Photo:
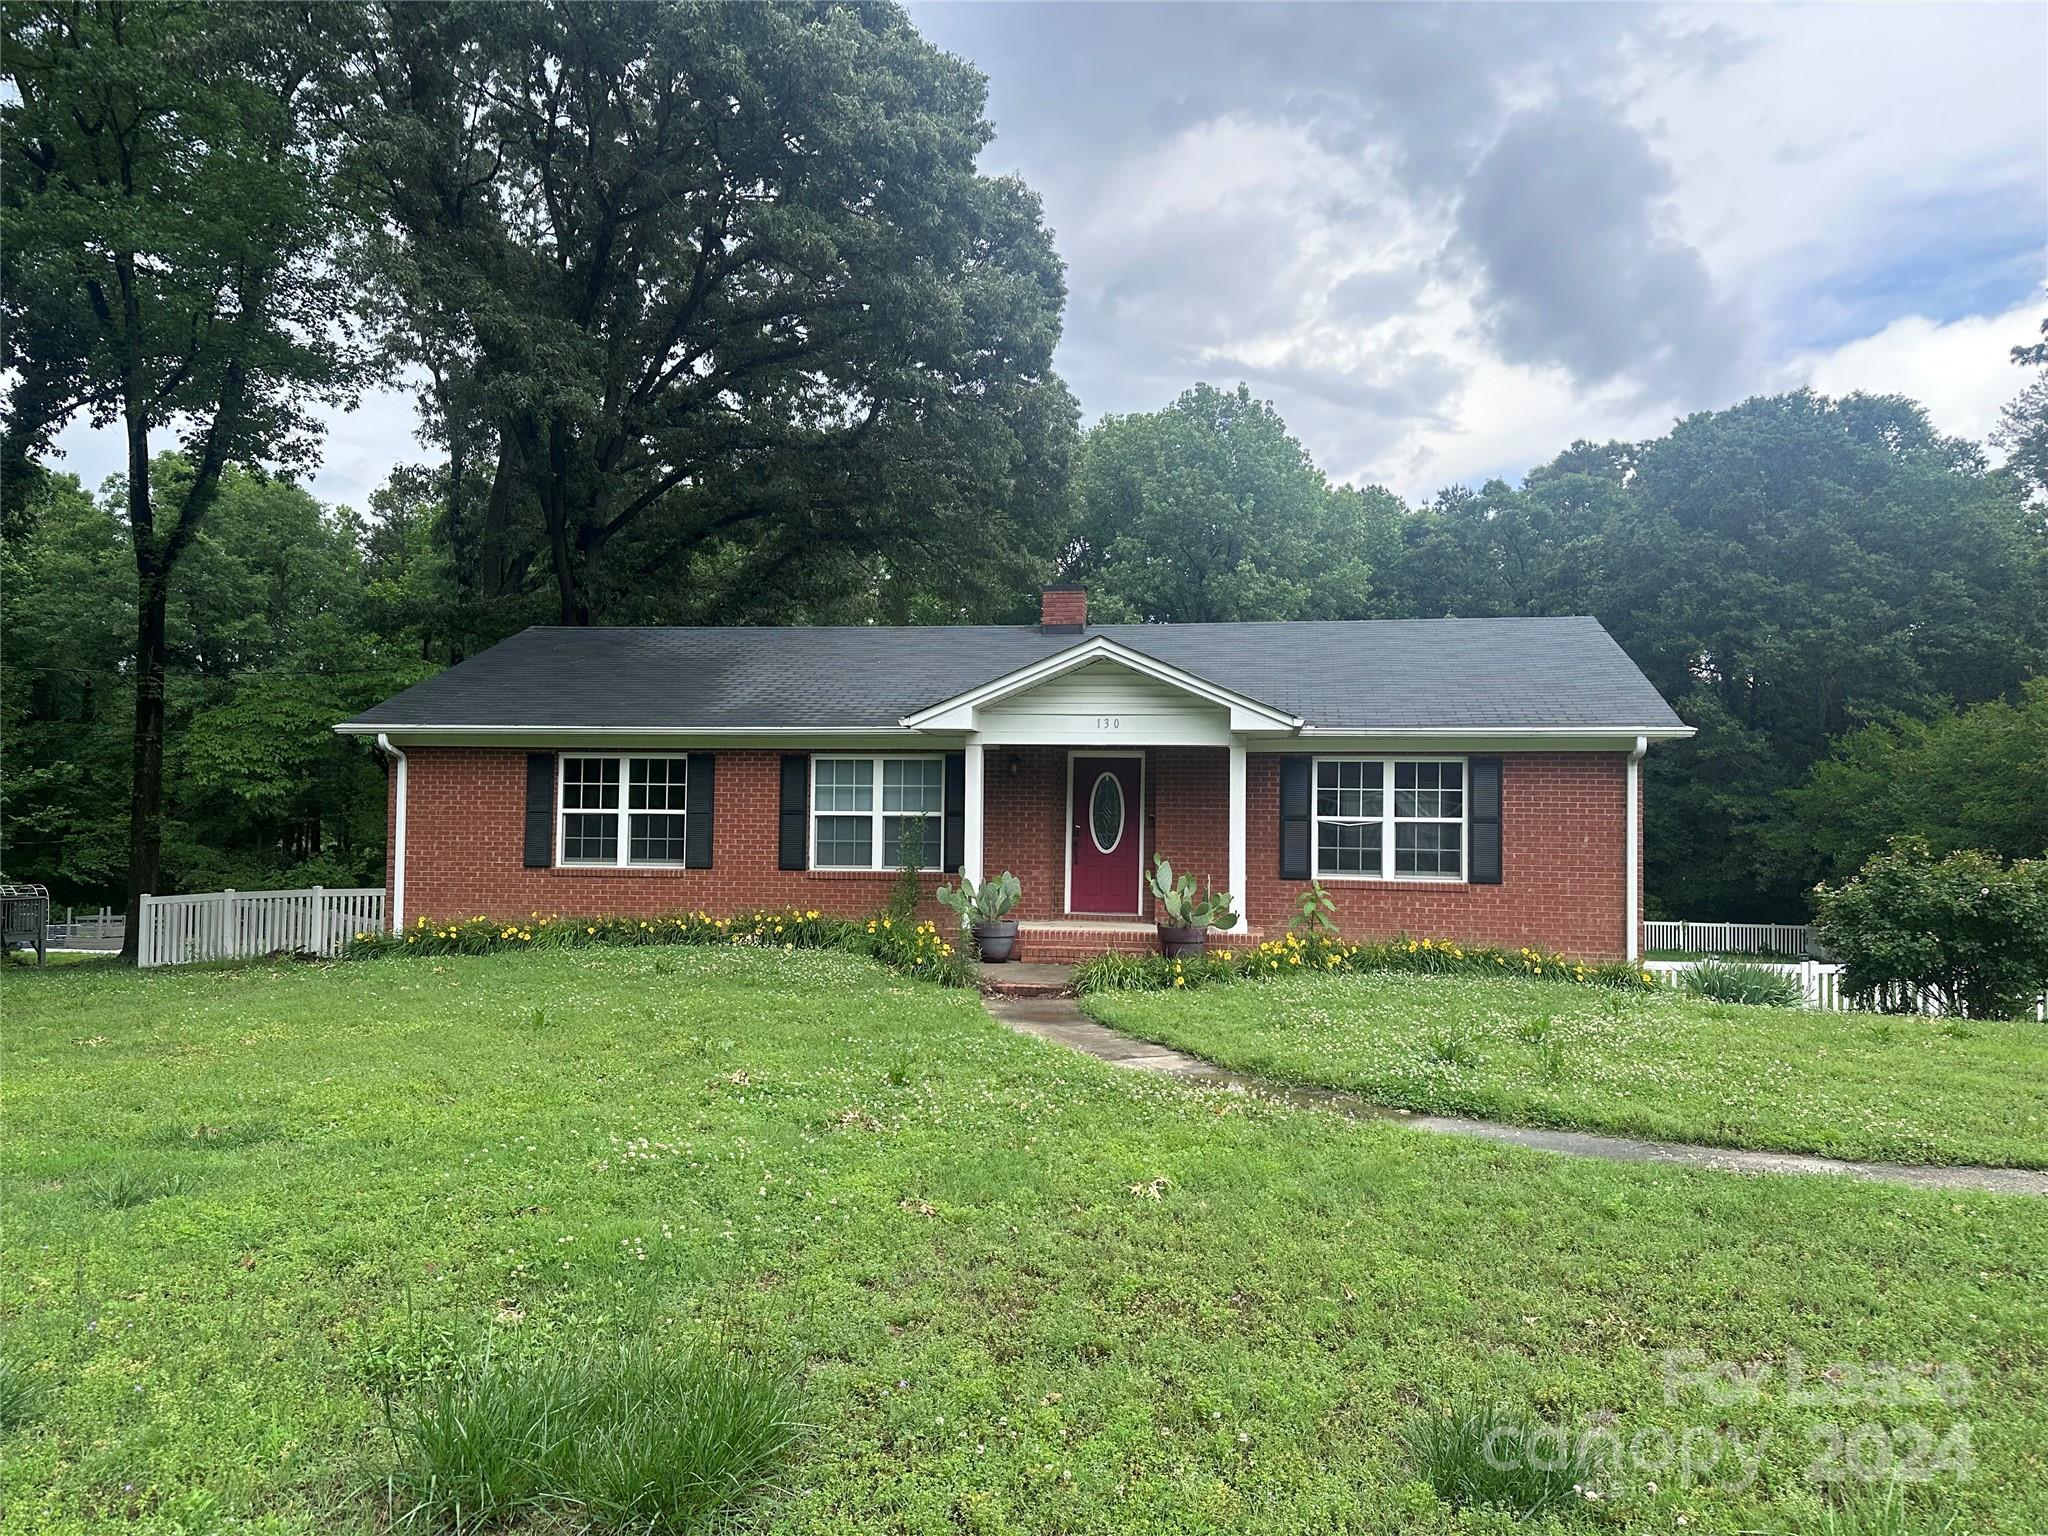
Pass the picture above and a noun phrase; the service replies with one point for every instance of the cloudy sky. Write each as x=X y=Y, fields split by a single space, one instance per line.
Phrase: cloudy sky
x=1447 y=240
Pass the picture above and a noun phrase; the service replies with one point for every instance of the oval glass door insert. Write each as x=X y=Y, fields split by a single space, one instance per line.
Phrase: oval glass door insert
x=1106 y=813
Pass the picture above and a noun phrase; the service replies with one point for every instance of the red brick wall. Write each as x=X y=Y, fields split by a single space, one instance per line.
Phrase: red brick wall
x=466 y=845
x=1024 y=818
x=1063 y=605
x=1027 y=816
x=1561 y=848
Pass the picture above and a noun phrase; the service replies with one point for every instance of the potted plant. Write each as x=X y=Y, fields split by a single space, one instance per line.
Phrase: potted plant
x=1189 y=917
x=985 y=912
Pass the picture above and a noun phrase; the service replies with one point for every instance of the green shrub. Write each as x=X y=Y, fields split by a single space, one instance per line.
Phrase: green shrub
x=1502 y=1457
x=1736 y=981
x=628 y=1438
x=1295 y=954
x=1969 y=930
x=915 y=947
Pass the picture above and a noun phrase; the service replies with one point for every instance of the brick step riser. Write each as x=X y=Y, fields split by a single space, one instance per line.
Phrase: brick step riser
x=1072 y=951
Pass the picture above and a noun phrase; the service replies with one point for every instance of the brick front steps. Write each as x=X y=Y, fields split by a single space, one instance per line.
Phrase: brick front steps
x=1014 y=978
x=1068 y=941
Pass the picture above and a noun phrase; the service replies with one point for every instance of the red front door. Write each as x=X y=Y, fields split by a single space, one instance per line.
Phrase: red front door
x=1105 y=835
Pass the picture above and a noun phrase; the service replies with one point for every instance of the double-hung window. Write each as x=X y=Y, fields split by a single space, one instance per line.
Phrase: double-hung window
x=622 y=810
x=863 y=807
x=1390 y=818
x=1350 y=816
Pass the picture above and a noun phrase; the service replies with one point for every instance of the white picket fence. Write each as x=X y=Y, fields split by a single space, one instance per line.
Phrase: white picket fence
x=241 y=925
x=1734 y=938
x=1820 y=983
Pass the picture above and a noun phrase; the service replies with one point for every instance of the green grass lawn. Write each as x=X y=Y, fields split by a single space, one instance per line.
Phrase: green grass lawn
x=1867 y=1086
x=1024 y=1291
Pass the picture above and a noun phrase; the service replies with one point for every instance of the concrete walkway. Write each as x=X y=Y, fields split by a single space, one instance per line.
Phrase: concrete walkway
x=1059 y=1018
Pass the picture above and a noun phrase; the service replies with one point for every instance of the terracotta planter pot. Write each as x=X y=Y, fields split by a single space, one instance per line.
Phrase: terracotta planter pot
x=1182 y=943
x=996 y=941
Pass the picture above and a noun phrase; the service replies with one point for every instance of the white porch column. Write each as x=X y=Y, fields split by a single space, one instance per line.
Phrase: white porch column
x=1237 y=863
x=1632 y=903
x=971 y=812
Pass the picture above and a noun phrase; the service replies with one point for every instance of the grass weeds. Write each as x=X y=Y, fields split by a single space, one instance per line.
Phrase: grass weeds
x=21 y=1396
x=124 y=1186
x=1048 y=1294
x=1500 y=1457
x=1665 y=1064
x=633 y=1437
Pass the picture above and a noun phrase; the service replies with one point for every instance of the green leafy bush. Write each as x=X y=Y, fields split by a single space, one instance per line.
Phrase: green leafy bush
x=1968 y=929
x=631 y=1438
x=1294 y=954
x=916 y=948
x=1737 y=981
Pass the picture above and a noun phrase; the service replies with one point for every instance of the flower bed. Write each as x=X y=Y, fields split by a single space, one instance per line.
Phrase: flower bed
x=1294 y=954
x=914 y=948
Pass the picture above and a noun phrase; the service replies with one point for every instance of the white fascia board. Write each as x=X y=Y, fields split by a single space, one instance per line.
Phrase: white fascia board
x=957 y=713
x=1595 y=738
x=616 y=736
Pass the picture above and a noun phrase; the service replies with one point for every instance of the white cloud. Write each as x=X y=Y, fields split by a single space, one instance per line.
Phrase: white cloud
x=1273 y=194
x=1962 y=371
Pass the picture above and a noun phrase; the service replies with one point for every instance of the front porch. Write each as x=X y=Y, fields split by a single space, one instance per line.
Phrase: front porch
x=1082 y=848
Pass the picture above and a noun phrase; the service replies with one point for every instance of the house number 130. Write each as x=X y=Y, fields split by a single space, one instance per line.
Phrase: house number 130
x=1108 y=723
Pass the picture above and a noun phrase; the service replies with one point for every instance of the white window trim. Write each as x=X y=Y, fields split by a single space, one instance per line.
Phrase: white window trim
x=623 y=813
x=875 y=813
x=1387 y=873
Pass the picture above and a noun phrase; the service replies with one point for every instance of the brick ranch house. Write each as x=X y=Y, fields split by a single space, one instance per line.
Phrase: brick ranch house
x=1477 y=779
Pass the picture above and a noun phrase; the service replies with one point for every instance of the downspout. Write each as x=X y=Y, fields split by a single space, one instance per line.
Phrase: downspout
x=1629 y=874
x=398 y=837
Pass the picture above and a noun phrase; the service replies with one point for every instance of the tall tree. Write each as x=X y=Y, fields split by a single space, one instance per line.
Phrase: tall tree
x=67 y=600
x=287 y=616
x=1969 y=778
x=168 y=264
x=717 y=288
x=2022 y=429
x=1209 y=510
x=1783 y=571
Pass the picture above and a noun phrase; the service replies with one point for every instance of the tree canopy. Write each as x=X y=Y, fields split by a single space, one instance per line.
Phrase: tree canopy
x=719 y=314
x=1783 y=571
x=1209 y=510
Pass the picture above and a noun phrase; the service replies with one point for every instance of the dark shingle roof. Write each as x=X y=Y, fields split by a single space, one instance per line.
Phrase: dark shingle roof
x=1408 y=674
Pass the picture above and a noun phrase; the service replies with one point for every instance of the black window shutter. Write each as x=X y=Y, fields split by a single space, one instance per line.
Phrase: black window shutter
x=1296 y=772
x=1484 y=788
x=699 y=784
x=956 y=811
x=796 y=794
x=540 y=809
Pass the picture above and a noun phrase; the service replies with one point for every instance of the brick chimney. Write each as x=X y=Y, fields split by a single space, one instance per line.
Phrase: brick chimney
x=1065 y=610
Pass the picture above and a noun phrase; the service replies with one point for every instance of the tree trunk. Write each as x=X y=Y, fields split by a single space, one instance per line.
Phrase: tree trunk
x=494 y=552
x=146 y=779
